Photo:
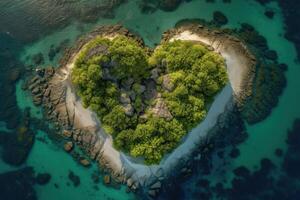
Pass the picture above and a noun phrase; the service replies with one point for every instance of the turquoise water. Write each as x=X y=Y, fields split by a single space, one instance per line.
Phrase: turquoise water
x=50 y=158
x=264 y=137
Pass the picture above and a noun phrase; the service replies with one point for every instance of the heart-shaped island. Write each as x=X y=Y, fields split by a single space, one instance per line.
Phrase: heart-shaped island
x=148 y=100
x=142 y=112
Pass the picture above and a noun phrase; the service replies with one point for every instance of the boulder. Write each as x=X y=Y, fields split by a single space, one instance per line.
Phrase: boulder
x=35 y=90
x=220 y=18
x=150 y=89
x=161 y=109
x=271 y=54
x=152 y=193
x=106 y=74
x=124 y=98
x=142 y=89
x=156 y=185
x=38 y=59
x=95 y=149
x=106 y=179
x=167 y=83
x=49 y=71
x=129 y=110
x=47 y=92
x=14 y=74
x=129 y=182
x=84 y=162
x=270 y=14
x=37 y=100
x=43 y=178
x=67 y=133
x=155 y=73
x=132 y=95
x=86 y=138
x=74 y=178
x=68 y=146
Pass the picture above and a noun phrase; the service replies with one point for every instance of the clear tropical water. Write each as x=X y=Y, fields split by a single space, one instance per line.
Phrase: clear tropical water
x=264 y=137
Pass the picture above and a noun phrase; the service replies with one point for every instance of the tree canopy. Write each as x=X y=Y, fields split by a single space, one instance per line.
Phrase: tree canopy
x=147 y=114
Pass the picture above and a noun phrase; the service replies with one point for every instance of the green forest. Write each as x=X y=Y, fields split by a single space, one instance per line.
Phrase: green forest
x=148 y=100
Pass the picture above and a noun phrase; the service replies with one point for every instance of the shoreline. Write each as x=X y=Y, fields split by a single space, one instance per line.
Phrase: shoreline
x=66 y=108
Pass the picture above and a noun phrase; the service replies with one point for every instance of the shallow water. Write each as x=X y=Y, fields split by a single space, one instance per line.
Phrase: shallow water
x=264 y=137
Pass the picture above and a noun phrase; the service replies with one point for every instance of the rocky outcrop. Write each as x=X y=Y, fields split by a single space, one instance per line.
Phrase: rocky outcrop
x=18 y=184
x=160 y=109
x=85 y=162
x=167 y=83
x=219 y=18
x=17 y=146
x=68 y=146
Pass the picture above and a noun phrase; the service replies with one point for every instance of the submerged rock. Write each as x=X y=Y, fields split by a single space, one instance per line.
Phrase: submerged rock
x=169 y=5
x=17 y=146
x=14 y=74
x=67 y=133
x=84 y=162
x=38 y=59
x=220 y=18
x=272 y=55
x=18 y=185
x=43 y=178
x=270 y=14
x=156 y=185
x=74 y=178
x=106 y=179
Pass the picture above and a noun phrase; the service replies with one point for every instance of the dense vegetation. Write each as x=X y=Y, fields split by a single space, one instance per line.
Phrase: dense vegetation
x=147 y=102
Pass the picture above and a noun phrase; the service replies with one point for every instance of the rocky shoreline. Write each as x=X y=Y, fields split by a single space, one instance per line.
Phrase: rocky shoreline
x=51 y=88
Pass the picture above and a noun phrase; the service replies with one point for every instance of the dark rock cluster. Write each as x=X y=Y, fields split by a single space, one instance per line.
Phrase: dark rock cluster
x=270 y=79
x=219 y=18
x=291 y=162
x=229 y=132
x=19 y=184
x=17 y=143
x=74 y=179
x=11 y=71
x=291 y=15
